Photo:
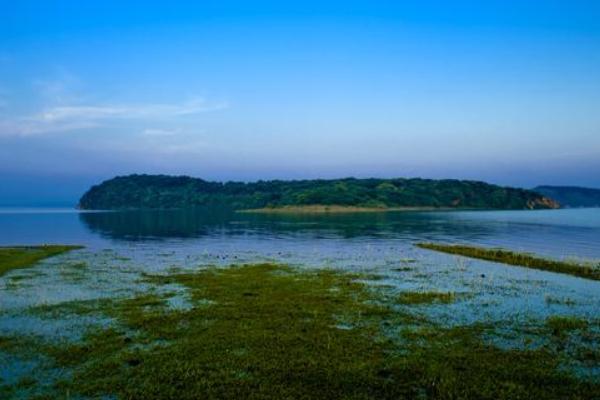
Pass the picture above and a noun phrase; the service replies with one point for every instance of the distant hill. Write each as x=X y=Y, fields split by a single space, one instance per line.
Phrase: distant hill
x=163 y=192
x=571 y=196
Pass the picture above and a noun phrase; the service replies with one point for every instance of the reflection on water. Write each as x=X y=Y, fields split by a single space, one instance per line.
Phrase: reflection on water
x=142 y=225
x=121 y=247
x=558 y=233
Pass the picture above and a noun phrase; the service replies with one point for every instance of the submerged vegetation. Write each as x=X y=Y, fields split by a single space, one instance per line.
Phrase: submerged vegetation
x=588 y=271
x=270 y=331
x=25 y=256
x=561 y=325
x=426 y=297
x=164 y=192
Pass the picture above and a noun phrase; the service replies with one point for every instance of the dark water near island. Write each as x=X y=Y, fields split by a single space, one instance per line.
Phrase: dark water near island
x=566 y=233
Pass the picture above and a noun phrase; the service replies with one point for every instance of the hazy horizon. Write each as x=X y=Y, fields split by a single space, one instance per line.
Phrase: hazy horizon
x=506 y=93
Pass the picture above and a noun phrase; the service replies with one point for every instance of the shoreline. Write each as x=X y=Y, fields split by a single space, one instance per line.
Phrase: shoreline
x=18 y=257
x=273 y=327
x=525 y=260
x=333 y=209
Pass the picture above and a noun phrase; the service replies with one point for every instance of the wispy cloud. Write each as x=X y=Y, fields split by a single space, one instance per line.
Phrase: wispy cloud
x=94 y=113
x=160 y=132
x=65 y=118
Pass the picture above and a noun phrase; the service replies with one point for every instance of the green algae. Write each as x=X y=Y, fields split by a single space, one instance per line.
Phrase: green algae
x=422 y=297
x=25 y=256
x=561 y=325
x=588 y=271
x=270 y=331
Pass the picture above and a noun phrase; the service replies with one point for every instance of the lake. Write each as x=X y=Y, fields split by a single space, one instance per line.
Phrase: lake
x=557 y=233
x=122 y=246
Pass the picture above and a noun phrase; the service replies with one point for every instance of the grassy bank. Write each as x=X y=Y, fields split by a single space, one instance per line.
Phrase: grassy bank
x=521 y=259
x=321 y=209
x=26 y=256
x=270 y=332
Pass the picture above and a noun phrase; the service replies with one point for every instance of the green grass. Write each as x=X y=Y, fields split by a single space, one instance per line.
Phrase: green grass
x=271 y=332
x=526 y=260
x=26 y=256
x=426 y=297
x=561 y=325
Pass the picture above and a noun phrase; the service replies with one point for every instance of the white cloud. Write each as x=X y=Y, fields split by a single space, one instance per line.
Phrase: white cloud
x=157 y=111
x=65 y=118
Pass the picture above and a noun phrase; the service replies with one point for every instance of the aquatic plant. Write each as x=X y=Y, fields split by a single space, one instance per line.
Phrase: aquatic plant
x=26 y=256
x=588 y=271
x=561 y=325
x=423 y=297
x=270 y=331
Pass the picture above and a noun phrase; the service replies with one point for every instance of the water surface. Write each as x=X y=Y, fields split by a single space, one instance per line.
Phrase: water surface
x=122 y=245
x=559 y=233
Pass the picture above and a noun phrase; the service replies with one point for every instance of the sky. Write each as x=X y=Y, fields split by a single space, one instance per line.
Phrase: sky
x=502 y=91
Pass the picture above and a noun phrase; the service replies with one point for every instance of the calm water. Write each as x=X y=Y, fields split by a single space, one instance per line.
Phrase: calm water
x=558 y=233
x=121 y=246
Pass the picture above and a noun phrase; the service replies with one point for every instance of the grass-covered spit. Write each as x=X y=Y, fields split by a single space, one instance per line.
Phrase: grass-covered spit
x=26 y=256
x=522 y=259
x=272 y=332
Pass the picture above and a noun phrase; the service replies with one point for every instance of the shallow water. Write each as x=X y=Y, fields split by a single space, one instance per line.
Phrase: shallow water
x=120 y=246
x=559 y=233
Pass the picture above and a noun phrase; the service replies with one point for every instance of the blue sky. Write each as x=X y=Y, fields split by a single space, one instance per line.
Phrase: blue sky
x=502 y=91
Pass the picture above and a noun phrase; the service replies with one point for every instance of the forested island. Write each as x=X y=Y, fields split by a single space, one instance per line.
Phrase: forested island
x=169 y=192
x=572 y=196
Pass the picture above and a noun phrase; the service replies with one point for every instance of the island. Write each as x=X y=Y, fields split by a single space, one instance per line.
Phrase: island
x=318 y=195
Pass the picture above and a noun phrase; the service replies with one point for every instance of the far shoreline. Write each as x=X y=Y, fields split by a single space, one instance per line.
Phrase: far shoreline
x=334 y=209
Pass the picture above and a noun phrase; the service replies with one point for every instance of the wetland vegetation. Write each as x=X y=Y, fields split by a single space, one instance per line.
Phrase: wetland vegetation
x=183 y=305
x=421 y=297
x=273 y=331
x=26 y=256
x=587 y=270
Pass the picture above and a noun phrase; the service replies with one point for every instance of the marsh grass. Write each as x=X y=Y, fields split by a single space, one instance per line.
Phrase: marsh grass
x=423 y=297
x=549 y=299
x=25 y=256
x=562 y=325
x=403 y=269
x=588 y=271
x=271 y=332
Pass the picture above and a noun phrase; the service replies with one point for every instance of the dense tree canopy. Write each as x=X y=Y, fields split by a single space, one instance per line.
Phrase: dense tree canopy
x=161 y=191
